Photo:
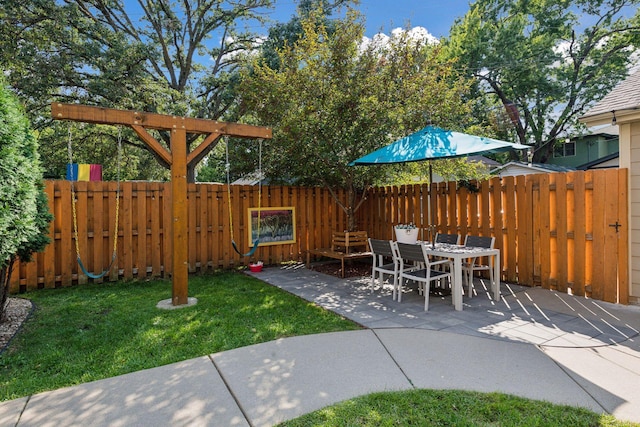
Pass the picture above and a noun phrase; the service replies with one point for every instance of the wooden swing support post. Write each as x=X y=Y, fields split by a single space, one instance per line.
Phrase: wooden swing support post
x=177 y=156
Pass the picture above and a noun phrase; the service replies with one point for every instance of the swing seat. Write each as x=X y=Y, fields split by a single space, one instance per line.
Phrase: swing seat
x=251 y=252
x=96 y=276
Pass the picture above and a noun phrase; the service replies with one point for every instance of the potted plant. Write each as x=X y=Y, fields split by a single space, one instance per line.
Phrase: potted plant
x=406 y=233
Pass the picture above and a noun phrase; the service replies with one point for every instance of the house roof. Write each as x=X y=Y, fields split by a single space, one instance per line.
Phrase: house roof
x=529 y=168
x=252 y=178
x=624 y=98
x=600 y=163
x=608 y=130
x=484 y=160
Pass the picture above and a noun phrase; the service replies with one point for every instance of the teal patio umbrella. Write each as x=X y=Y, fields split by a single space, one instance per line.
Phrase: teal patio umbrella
x=434 y=143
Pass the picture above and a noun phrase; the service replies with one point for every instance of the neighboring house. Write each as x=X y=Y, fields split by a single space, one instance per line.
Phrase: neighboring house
x=606 y=162
x=522 y=168
x=489 y=163
x=597 y=149
x=620 y=106
x=252 y=178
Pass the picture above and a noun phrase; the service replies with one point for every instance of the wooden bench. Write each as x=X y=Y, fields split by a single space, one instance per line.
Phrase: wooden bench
x=342 y=245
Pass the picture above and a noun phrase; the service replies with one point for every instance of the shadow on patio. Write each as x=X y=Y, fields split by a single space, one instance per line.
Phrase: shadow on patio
x=531 y=315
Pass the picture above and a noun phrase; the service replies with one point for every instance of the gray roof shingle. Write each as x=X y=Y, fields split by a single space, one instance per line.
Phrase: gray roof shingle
x=625 y=96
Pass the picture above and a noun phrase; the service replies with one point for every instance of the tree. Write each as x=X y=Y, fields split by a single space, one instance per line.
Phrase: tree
x=544 y=62
x=24 y=214
x=290 y=32
x=332 y=99
x=157 y=56
x=243 y=161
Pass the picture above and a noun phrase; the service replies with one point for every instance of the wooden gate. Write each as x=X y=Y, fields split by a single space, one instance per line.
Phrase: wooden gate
x=580 y=233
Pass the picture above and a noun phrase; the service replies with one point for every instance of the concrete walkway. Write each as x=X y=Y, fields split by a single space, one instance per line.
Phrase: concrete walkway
x=534 y=343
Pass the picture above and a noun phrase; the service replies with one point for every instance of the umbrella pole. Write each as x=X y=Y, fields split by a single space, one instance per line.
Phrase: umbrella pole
x=430 y=225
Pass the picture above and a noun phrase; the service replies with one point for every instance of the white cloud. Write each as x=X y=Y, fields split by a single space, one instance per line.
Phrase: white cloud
x=416 y=34
x=419 y=34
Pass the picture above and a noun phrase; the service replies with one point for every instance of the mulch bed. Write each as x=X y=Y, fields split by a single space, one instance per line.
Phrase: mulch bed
x=354 y=268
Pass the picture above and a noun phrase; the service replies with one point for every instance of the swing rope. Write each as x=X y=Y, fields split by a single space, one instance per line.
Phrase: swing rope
x=256 y=242
x=75 y=217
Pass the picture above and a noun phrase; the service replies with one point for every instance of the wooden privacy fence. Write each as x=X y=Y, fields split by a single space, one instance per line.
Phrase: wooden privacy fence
x=564 y=231
x=144 y=235
x=554 y=230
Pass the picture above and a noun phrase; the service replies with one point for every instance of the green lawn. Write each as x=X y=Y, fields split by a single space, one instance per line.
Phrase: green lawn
x=85 y=333
x=450 y=408
x=90 y=332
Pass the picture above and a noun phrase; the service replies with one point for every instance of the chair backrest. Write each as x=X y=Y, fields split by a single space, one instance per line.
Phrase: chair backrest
x=382 y=247
x=453 y=239
x=411 y=252
x=479 y=241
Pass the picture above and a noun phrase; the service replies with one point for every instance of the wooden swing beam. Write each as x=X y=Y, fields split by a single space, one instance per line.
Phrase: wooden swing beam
x=177 y=156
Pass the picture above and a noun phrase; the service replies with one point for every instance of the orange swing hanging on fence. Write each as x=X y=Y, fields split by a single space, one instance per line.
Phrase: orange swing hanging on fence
x=72 y=179
x=256 y=242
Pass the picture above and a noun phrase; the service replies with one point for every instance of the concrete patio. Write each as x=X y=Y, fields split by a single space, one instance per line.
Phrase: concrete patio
x=532 y=315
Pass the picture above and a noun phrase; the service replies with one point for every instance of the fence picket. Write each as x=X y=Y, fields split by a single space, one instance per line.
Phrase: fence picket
x=598 y=244
x=49 y=258
x=96 y=211
x=82 y=233
x=68 y=261
x=155 y=212
x=167 y=229
x=141 y=219
x=193 y=200
x=579 y=234
x=510 y=222
x=111 y=213
x=562 y=260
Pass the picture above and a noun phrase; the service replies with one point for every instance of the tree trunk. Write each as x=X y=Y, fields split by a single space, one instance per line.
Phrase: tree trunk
x=191 y=174
x=5 y=278
x=351 y=207
x=350 y=211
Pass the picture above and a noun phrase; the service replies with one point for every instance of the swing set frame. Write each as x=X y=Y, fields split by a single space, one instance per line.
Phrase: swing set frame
x=177 y=156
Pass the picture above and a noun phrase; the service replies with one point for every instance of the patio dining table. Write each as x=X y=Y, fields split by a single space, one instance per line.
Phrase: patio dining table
x=457 y=253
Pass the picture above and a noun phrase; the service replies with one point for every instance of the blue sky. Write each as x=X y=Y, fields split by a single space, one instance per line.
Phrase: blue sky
x=436 y=16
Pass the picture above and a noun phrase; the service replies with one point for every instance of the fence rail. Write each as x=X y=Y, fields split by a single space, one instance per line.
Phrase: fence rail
x=554 y=230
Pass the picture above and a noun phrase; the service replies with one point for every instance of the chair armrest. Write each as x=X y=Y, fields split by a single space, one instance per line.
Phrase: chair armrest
x=442 y=261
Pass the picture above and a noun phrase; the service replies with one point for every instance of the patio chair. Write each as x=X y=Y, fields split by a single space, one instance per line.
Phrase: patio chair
x=425 y=274
x=384 y=250
x=453 y=239
x=472 y=265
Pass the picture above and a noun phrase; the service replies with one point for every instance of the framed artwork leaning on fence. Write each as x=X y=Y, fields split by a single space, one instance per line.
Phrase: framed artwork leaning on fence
x=276 y=226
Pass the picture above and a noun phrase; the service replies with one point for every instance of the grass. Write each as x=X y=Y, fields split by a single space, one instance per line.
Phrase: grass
x=450 y=408
x=90 y=332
